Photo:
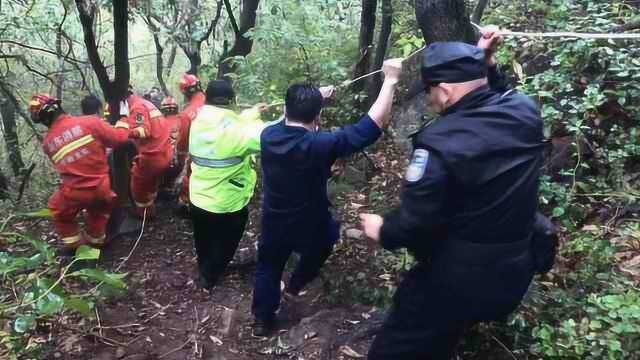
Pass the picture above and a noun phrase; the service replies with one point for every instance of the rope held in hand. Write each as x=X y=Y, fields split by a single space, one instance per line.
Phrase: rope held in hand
x=564 y=34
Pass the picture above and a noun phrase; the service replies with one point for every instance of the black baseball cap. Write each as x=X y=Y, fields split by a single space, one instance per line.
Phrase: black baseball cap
x=219 y=92
x=449 y=62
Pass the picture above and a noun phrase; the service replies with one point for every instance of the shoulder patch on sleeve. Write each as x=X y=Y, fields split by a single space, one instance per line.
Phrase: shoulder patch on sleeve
x=418 y=165
x=139 y=119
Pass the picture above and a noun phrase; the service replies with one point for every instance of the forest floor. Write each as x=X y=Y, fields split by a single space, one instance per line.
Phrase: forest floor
x=164 y=315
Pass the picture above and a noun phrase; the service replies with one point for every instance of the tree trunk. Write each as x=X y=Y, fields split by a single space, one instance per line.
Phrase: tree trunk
x=479 y=11
x=367 y=30
x=8 y=113
x=381 y=50
x=116 y=90
x=4 y=186
x=160 y=63
x=60 y=76
x=243 y=44
x=195 y=60
x=172 y=59
x=5 y=91
x=444 y=20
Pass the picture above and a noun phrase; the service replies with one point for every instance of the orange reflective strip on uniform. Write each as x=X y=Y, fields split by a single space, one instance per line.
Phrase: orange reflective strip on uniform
x=65 y=150
x=121 y=124
x=71 y=239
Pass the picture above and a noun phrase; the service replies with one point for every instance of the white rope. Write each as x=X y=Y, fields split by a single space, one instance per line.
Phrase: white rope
x=349 y=82
x=144 y=219
x=564 y=34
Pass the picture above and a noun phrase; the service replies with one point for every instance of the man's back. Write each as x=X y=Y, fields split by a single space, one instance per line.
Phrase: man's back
x=295 y=169
x=76 y=146
x=492 y=145
x=145 y=115
x=296 y=162
x=220 y=145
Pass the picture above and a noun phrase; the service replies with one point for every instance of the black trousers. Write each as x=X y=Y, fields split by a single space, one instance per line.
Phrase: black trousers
x=422 y=323
x=216 y=238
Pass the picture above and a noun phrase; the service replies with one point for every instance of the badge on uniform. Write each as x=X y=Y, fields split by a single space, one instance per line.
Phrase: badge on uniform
x=139 y=119
x=418 y=165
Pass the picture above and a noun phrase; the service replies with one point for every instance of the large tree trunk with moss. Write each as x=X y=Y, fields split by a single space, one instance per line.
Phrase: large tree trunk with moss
x=439 y=20
x=375 y=84
x=4 y=186
x=365 y=46
x=444 y=20
x=9 y=129
x=114 y=90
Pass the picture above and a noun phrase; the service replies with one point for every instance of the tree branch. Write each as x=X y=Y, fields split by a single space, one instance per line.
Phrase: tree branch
x=69 y=59
x=479 y=10
x=87 y=14
x=4 y=89
x=232 y=18
x=214 y=23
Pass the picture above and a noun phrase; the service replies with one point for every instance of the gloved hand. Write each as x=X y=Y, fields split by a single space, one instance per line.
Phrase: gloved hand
x=328 y=92
x=124 y=108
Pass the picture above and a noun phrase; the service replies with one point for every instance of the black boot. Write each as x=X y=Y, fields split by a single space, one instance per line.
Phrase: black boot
x=205 y=283
x=262 y=327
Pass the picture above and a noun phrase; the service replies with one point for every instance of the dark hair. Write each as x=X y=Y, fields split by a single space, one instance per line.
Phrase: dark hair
x=219 y=92
x=303 y=103
x=90 y=105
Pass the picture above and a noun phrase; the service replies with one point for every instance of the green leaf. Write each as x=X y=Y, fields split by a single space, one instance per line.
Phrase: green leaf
x=113 y=280
x=87 y=253
x=50 y=304
x=557 y=212
x=24 y=323
x=80 y=305
x=42 y=213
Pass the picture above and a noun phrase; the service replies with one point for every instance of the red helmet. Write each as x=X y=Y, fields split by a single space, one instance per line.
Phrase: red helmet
x=169 y=104
x=42 y=103
x=187 y=81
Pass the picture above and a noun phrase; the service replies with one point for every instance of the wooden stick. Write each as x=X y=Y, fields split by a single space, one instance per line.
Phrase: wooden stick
x=564 y=34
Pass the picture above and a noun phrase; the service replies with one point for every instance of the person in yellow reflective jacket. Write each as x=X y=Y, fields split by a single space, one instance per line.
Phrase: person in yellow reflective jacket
x=221 y=146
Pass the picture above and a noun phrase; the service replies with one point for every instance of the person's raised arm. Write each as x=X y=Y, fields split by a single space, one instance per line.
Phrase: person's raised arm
x=380 y=111
x=489 y=40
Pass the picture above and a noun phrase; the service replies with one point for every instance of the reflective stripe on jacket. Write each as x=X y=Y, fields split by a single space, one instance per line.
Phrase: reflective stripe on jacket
x=221 y=143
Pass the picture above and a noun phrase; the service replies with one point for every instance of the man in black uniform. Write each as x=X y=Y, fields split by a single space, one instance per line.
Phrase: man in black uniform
x=467 y=206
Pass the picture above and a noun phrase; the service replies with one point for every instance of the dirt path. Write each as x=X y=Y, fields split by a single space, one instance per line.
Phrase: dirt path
x=165 y=316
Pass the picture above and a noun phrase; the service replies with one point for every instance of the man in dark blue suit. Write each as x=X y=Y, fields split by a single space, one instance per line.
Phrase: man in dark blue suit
x=296 y=163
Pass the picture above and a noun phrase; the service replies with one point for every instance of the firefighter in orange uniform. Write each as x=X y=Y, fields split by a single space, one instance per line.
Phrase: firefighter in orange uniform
x=192 y=90
x=76 y=146
x=152 y=140
x=169 y=108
